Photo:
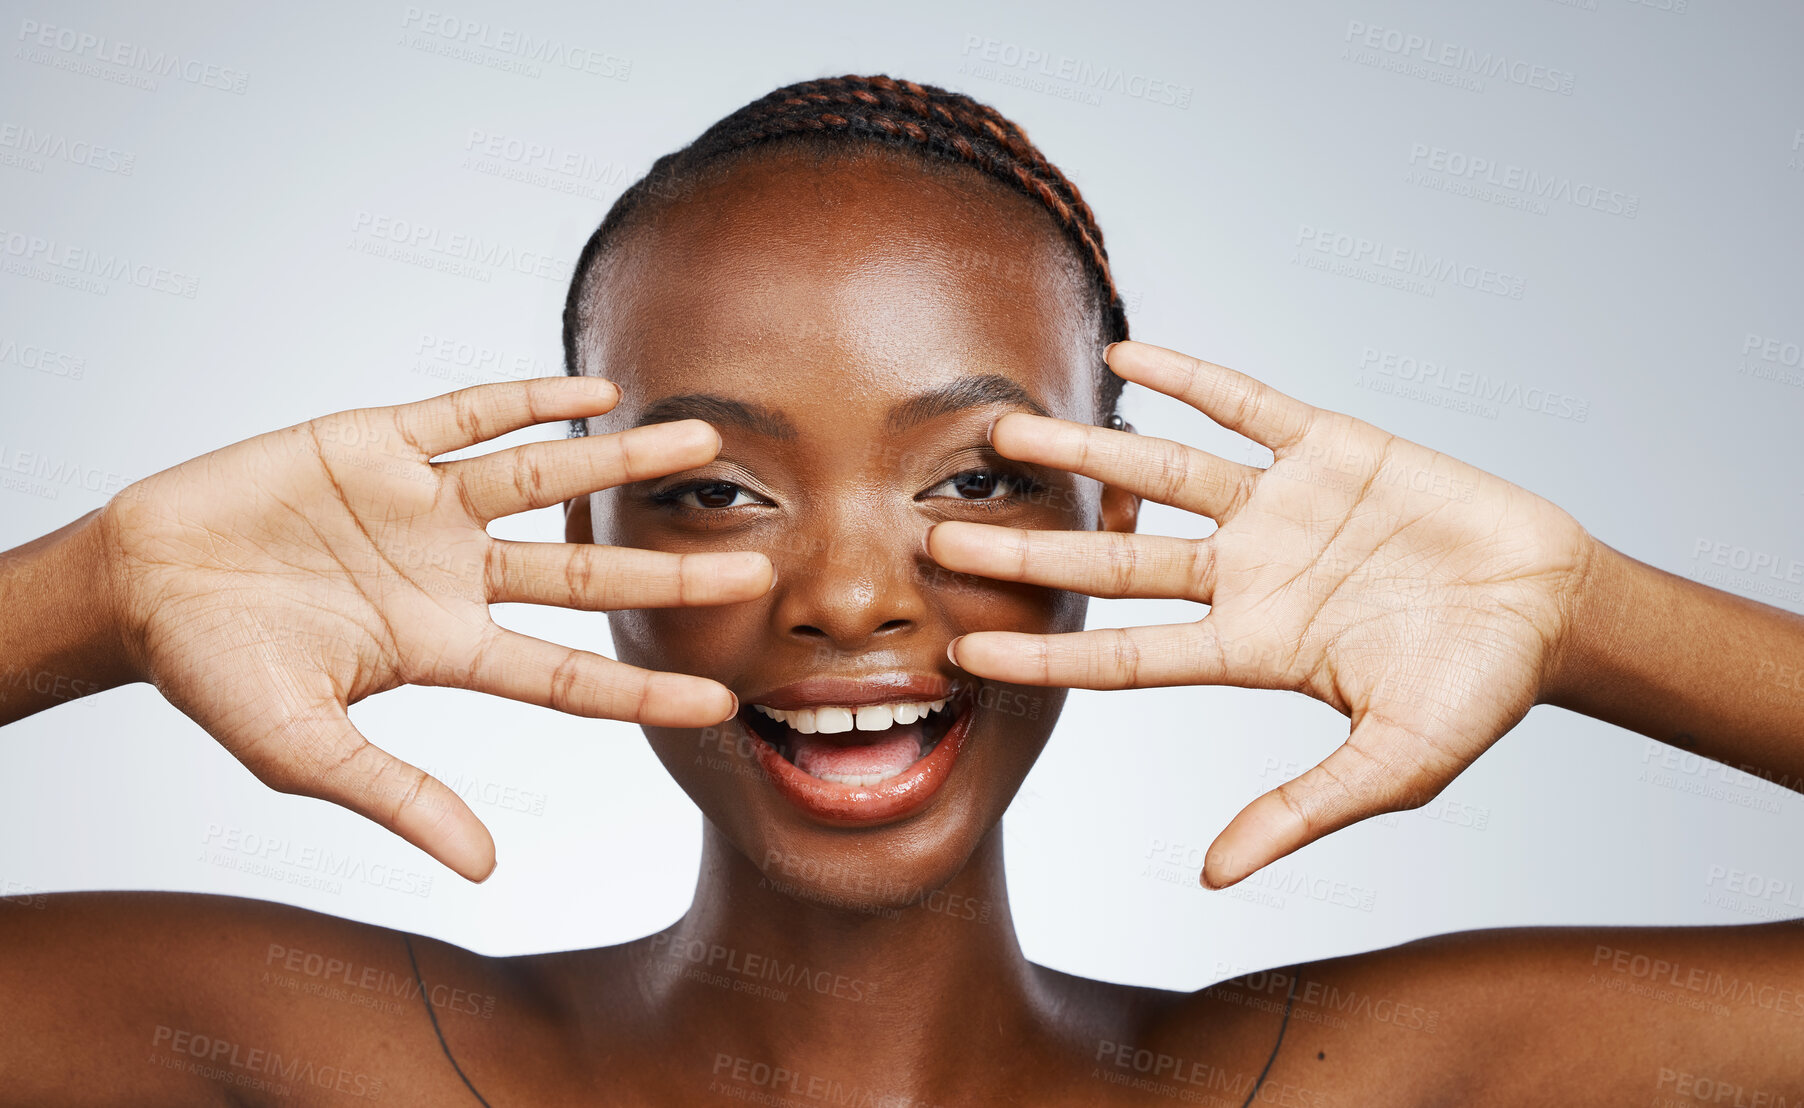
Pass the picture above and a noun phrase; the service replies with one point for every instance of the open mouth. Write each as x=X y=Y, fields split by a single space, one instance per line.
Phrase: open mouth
x=864 y=745
x=860 y=765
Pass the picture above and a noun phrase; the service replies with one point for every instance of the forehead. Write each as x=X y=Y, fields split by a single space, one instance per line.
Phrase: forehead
x=867 y=277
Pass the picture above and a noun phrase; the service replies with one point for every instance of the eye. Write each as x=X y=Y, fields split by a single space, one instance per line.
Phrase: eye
x=986 y=485
x=706 y=496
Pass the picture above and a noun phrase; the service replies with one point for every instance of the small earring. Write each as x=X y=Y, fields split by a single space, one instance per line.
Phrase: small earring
x=1116 y=422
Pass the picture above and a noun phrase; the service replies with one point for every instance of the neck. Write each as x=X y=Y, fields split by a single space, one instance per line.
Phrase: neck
x=832 y=989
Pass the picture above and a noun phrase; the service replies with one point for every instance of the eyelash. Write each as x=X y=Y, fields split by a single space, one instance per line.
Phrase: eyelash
x=1025 y=486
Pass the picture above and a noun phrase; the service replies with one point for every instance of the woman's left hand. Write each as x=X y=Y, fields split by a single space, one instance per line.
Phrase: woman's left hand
x=1425 y=599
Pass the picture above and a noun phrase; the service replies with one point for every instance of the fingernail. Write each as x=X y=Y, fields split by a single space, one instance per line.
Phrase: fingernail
x=1106 y=349
x=924 y=537
x=735 y=710
x=951 y=657
x=990 y=430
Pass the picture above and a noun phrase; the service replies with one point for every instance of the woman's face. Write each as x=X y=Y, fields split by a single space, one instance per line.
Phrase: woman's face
x=850 y=327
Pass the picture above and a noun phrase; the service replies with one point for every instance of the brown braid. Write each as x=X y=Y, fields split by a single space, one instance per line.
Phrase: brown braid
x=931 y=122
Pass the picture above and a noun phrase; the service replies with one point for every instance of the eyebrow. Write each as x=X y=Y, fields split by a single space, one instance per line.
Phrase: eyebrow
x=971 y=391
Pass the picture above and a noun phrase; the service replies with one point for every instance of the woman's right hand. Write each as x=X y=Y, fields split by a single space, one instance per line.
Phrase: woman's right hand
x=267 y=586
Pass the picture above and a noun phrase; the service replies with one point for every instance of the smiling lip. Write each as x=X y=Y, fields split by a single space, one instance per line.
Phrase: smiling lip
x=851 y=692
x=863 y=805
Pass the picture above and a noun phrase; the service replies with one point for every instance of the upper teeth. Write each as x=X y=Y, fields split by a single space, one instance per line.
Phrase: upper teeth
x=867 y=717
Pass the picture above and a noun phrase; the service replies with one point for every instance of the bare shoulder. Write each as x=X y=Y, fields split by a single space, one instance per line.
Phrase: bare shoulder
x=1129 y=1045
x=145 y=998
x=1518 y=1015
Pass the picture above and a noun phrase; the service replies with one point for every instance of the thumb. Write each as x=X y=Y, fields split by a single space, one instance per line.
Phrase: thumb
x=316 y=751
x=1377 y=770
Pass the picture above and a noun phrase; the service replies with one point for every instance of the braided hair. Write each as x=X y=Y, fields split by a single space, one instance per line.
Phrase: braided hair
x=931 y=122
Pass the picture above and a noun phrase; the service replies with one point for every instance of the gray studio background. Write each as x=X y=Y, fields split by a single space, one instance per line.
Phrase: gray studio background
x=1619 y=186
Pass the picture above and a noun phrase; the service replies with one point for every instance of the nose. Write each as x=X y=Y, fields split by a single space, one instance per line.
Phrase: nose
x=852 y=585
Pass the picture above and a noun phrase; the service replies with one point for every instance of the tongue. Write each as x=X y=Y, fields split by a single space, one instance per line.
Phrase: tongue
x=847 y=753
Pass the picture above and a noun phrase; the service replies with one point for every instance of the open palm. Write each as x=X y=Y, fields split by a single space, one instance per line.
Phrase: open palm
x=1422 y=597
x=265 y=587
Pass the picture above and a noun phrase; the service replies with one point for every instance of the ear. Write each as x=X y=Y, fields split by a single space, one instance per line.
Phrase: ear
x=1120 y=508
x=578 y=527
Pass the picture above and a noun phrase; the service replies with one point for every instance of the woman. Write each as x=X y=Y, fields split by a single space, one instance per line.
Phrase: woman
x=851 y=467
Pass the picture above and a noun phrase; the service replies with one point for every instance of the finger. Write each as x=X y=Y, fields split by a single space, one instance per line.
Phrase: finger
x=1377 y=770
x=1098 y=563
x=1111 y=658
x=482 y=412
x=607 y=578
x=1240 y=403
x=317 y=752
x=540 y=474
x=1152 y=468
x=581 y=683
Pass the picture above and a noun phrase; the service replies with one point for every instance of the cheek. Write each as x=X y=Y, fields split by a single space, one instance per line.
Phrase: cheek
x=698 y=640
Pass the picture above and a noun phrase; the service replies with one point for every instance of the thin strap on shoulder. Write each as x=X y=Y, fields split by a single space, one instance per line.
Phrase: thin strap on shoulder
x=1254 y=1091
x=433 y=1016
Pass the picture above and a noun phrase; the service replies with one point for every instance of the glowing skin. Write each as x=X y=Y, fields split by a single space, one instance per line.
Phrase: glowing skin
x=847 y=945
x=832 y=321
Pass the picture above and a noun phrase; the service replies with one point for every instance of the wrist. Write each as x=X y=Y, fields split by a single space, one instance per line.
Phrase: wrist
x=60 y=638
x=110 y=637
x=1593 y=628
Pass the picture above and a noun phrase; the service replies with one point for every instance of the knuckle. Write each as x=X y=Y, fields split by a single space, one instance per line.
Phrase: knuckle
x=1167 y=477
x=566 y=679
x=1202 y=565
x=528 y=476
x=1122 y=565
x=467 y=415
x=579 y=576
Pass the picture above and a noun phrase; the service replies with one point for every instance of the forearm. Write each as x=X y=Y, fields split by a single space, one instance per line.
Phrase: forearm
x=58 y=638
x=1686 y=664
